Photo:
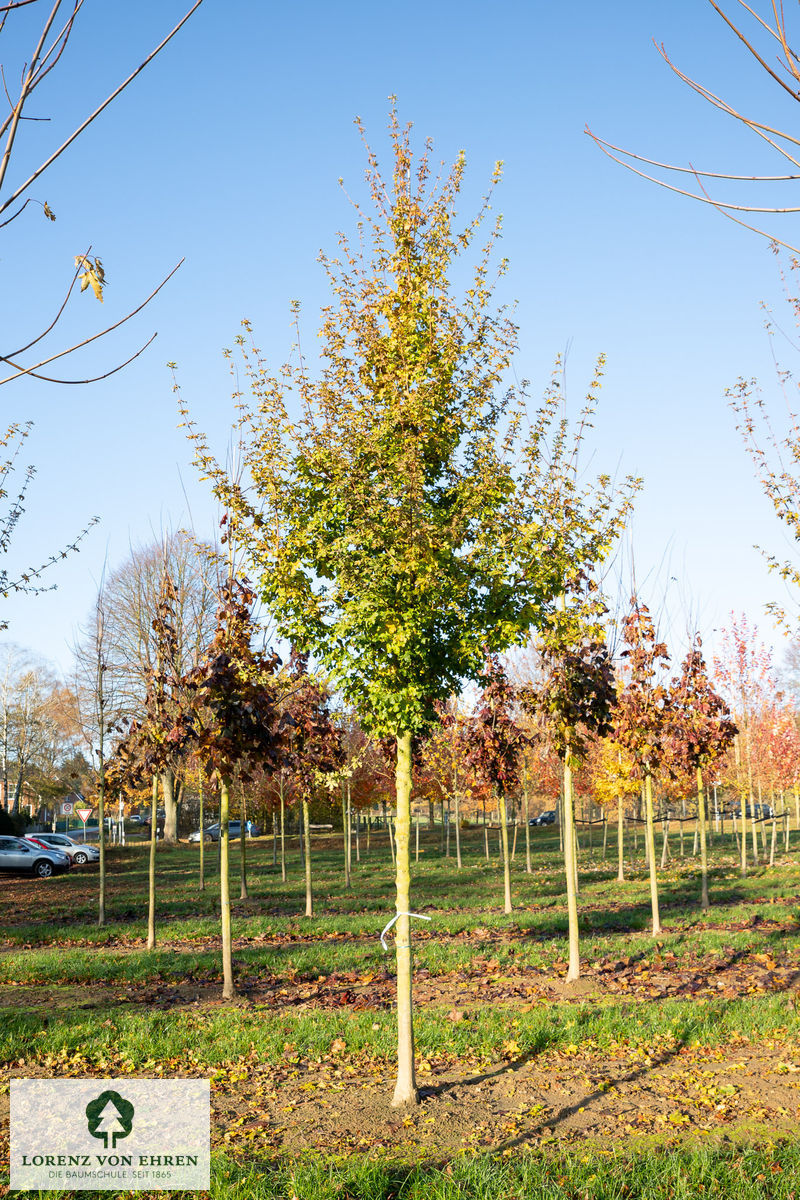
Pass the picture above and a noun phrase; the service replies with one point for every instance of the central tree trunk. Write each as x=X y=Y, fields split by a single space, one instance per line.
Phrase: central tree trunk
x=701 y=817
x=574 y=969
x=405 y=1091
x=620 y=841
x=151 y=874
x=651 y=850
x=101 y=815
x=501 y=815
x=170 y=807
x=526 y=799
x=307 y=848
x=346 y=842
x=283 y=829
x=224 y=892
x=202 y=840
x=243 y=893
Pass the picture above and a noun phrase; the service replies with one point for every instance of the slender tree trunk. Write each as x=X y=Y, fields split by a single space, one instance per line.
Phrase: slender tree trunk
x=431 y=816
x=151 y=875
x=485 y=835
x=786 y=829
x=345 y=845
x=754 y=832
x=447 y=851
x=651 y=850
x=274 y=840
x=224 y=891
x=391 y=844
x=456 y=802
x=527 y=803
x=772 y=844
x=701 y=820
x=570 y=870
x=605 y=835
x=744 y=834
x=763 y=822
x=665 y=843
x=358 y=834
x=243 y=893
x=680 y=825
x=620 y=841
x=349 y=837
x=283 y=828
x=170 y=808
x=101 y=816
x=501 y=810
x=202 y=841
x=307 y=854
x=514 y=842
x=405 y=1092
x=796 y=806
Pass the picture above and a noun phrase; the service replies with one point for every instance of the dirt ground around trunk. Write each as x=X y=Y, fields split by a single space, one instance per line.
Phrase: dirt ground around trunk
x=341 y=1104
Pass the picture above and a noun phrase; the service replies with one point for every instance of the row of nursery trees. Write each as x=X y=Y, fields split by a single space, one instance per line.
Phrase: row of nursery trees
x=405 y=516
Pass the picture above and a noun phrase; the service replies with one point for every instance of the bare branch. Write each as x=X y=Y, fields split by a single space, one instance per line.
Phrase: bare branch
x=781 y=38
x=12 y=123
x=93 y=379
x=654 y=162
x=705 y=198
x=93 y=116
x=79 y=345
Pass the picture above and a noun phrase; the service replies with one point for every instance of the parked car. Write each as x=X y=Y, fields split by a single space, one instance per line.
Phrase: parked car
x=77 y=852
x=21 y=854
x=761 y=810
x=545 y=818
x=211 y=832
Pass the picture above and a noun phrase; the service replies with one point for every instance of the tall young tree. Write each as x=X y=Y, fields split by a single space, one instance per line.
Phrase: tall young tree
x=642 y=716
x=231 y=720
x=702 y=731
x=496 y=749
x=743 y=673
x=396 y=524
x=131 y=597
x=577 y=698
x=315 y=747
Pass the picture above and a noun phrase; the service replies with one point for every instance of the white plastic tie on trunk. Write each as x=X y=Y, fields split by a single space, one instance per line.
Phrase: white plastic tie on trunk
x=419 y=916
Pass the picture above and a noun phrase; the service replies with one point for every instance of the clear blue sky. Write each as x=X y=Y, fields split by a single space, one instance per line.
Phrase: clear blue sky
x=227 y=151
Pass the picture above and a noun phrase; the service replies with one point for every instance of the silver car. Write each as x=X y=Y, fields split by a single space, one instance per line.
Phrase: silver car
x=76 y=851
x=18 y=854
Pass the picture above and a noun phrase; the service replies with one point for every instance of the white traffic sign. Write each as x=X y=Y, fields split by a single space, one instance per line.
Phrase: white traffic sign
x=66 y=808
x=84 y=814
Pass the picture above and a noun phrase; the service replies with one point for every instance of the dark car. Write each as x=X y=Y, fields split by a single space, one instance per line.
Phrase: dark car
x=760 y=810
x=211 y=832
x=545 y=818
x=18 y=854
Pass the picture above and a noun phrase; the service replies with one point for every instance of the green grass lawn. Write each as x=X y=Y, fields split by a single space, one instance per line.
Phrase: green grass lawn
x=314 y=1012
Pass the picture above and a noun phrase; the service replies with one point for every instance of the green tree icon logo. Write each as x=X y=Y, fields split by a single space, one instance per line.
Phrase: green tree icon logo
x=109 y=1116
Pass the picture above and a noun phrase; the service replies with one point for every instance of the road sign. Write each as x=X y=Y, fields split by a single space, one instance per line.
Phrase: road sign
x=84 y=814
x=66 y=808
